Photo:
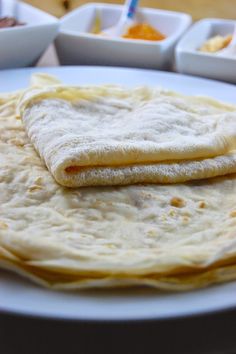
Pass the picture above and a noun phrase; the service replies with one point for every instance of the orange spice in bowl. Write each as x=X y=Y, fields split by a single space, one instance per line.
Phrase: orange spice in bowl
x=143 y=31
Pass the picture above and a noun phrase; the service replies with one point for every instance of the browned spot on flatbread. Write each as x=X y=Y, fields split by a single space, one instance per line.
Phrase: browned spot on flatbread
x=202 y=204
x=72 y=169
x=177 y=202
x=3 y=225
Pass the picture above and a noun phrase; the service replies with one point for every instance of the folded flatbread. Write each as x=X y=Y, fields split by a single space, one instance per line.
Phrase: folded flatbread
x=111 y=135
x=176 y=237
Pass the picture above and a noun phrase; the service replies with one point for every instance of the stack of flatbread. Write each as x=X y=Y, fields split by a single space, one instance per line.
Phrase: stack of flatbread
x=111 y=186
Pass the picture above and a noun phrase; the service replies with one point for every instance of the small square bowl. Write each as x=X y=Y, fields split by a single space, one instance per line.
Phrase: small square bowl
x=22 y=45
x=75 y=45
x=191 y=61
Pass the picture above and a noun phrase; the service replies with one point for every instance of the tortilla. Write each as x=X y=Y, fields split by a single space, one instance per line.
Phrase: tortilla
x=108 y=135
x=174 y=237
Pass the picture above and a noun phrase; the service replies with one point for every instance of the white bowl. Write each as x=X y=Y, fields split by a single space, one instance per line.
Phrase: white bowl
x=22 y=45
x=75 y=45
x=191 y=61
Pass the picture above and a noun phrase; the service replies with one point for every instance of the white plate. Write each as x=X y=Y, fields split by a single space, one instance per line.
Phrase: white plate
x=18 y=295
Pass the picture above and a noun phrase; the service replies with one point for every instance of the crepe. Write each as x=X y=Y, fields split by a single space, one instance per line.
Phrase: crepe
x=175 y=237
x=109 y=135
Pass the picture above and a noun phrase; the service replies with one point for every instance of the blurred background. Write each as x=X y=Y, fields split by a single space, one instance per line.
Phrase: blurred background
x=196 y=8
